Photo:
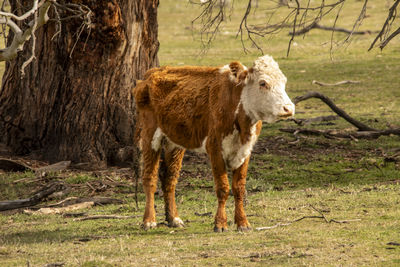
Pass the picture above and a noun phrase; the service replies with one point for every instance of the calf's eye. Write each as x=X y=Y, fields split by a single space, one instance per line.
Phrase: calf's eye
x=263 y=84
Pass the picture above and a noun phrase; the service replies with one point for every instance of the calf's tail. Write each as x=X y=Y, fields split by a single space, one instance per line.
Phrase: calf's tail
x=141 y=94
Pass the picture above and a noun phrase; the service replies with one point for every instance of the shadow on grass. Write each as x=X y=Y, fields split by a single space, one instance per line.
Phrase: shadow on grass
x=82 y=232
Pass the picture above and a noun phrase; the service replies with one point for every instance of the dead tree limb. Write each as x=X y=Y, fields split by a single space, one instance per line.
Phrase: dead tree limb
x=59 y=166
x=32 y=201
x=360 y=126
x=96 y=200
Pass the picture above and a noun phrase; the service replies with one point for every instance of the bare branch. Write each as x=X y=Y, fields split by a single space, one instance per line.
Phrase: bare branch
x=331 y=134
x=20 y=37
x=35 y=7
x=301 y=18
x=386 y=27
x=29 y=60
x=211 y=17
x=294 y=27
x=388 y=39
x=39 y=11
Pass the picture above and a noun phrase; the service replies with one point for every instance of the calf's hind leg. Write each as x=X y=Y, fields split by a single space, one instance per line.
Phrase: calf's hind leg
x=151 y=158
x=169 y=178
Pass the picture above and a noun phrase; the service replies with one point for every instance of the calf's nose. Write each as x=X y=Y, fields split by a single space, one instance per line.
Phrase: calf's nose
x=288 y=109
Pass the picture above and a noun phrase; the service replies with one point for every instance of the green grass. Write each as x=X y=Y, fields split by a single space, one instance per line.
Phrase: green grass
x=345 y=179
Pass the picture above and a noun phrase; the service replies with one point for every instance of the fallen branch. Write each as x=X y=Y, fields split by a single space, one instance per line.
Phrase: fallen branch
x=334 y=84
x=360 y=126
x=32 y=201
x=59 y=166
x=341 y=134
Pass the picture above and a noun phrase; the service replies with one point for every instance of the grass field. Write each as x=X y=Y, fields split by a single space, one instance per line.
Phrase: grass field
x=355 y=183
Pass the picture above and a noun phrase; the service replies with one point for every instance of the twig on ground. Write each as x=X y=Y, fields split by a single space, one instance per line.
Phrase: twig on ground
x=55 y=264
x=334 y=84
x=322 y=216
x=91 y=187
x=209 y=214
x=316 y=119
x=74 y=215
x=98 y=217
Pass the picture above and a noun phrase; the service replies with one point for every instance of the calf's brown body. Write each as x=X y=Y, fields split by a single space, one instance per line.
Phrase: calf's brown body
x=196 y=108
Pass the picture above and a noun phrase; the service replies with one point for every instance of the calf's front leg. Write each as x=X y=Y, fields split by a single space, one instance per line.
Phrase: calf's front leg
x=221 y=188
x=173 y=164
x=239 y=191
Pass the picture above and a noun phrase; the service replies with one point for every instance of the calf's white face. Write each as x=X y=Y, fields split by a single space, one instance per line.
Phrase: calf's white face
x=264 y=96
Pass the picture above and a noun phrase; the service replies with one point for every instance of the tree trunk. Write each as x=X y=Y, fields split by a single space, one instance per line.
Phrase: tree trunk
x=75 y=101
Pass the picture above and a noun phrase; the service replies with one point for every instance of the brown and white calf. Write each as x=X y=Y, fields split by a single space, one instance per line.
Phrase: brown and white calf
x=217 y=110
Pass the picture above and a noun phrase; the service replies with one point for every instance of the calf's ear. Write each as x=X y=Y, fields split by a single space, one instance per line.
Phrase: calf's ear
x=243 y=77
x=236 y=68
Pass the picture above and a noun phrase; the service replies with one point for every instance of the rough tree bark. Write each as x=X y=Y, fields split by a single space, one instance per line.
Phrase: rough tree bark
x=75 y=103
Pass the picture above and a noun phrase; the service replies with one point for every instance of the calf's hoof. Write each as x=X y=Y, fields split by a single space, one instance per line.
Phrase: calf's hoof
x=220 y=229
x=245 y=228
x=149 y=225
x=176 y=222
